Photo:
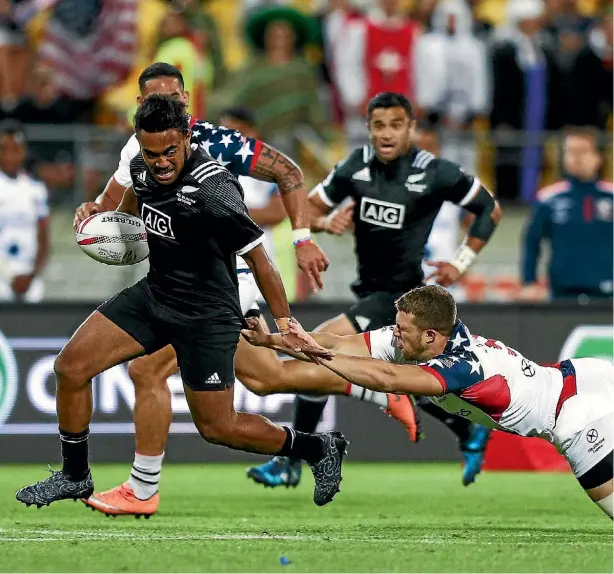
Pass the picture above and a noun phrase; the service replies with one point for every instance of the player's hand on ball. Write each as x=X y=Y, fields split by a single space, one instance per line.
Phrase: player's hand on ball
x=256 y=335
x=445 y=273
x=312 y=261
x=84 y=211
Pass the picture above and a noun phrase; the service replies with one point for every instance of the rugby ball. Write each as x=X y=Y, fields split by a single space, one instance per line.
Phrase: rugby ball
x=113 y=238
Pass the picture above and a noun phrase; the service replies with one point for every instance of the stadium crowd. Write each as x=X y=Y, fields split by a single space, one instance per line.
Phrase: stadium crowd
x=494 y=83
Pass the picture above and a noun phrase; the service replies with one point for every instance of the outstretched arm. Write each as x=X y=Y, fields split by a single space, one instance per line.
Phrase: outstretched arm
x=276 y=167
x=272 y=289
x=383 y=376
x=351 y=344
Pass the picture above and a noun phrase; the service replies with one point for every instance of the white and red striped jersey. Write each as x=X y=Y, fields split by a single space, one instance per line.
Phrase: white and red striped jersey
x=492 y=384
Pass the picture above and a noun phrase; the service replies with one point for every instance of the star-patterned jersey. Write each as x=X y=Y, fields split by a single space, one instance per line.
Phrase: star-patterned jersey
x=396 y=205
x=490 y=383
x=230 y=148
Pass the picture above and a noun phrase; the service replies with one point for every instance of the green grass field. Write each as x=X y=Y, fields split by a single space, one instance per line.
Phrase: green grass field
x=388 y=518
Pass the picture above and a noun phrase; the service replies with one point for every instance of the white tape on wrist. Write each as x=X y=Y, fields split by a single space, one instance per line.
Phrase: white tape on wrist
x=300 y=236
x=464 y=258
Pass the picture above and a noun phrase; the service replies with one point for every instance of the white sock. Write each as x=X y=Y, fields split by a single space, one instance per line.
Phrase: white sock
x=607 y=504
x=145 y=475
x=363 y=394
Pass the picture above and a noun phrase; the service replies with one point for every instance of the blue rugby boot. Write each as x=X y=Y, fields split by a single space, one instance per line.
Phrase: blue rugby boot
x=473 y=452
x=279 y=471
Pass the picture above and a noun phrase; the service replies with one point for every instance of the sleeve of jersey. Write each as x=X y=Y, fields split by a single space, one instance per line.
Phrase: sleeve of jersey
x=128 y=153
x=381 y=343
x=458 y=186
x=42 y=201
x=233 y=150
x=333 y=190
x=240 y=232
x=454 y=373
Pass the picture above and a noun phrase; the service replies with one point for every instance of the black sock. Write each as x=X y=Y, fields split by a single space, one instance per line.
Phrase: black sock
x=458 y=425
x=74 y=454
x=307 y=414
x=300 y=445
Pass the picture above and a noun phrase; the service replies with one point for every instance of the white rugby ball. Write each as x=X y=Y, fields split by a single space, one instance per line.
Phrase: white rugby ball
x=113 y=238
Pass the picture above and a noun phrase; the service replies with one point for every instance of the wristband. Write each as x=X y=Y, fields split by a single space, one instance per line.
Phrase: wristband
x=464 y=258
x=301 y=236
x=282 y=324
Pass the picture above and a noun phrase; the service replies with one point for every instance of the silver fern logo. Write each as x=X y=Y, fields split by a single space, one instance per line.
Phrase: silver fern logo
x=8 y=379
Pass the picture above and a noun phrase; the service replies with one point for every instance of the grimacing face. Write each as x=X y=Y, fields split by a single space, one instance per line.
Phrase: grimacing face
x=411 y=340
x=165 y=153
x=164 y=86
x=391 y=131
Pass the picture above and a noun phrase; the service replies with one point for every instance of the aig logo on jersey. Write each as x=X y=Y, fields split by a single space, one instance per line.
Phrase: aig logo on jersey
x=157 y=222
x=382 y=213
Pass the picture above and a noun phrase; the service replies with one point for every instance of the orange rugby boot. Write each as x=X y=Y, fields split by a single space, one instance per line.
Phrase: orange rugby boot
x=120 y=501
x=403 y=408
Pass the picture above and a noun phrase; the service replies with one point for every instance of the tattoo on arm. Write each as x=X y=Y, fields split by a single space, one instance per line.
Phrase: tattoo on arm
x=276 y=167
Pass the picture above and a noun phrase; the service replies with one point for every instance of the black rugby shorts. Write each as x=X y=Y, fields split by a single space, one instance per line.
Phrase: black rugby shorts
x=205 y=348
x=374 y=311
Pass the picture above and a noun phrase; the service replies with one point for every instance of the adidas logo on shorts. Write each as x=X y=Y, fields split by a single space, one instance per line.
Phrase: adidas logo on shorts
x=214 y=379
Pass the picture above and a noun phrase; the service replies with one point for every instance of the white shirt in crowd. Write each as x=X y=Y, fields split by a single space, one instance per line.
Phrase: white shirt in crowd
x=23 y=202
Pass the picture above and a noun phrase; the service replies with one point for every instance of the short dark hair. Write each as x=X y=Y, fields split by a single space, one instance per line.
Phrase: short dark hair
x=159 y=70
x=432 y=307
x=390 y=100
x=160 y=113
x=12 y=128
x=241 y=114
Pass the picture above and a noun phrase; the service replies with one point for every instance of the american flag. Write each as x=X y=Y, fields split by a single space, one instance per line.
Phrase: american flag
x=90 y=44
x=230 y=148
x=457 y=367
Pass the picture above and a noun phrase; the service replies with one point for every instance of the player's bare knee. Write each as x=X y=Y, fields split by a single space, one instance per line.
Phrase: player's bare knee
x=70 y=369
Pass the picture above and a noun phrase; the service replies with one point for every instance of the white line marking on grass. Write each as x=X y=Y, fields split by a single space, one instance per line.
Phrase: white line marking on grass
x=21 y=536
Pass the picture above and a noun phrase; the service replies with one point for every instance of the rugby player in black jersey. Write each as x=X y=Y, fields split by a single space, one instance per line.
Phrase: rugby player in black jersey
x=196 y=224
x=392 y=191
x=257 y=368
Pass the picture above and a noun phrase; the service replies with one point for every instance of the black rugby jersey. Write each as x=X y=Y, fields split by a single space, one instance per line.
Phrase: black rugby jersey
x=195 y=226
x=396 y=205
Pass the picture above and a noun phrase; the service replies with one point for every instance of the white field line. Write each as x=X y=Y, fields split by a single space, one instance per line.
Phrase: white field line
x=84 y=535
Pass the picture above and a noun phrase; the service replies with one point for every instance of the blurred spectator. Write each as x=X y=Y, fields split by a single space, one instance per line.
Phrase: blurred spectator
x=89 y=45
x=178 y=48
x=51 y=161
x=13 y=55
x=526 y=97
x=203 y=30
x=422 y=12
x=591 y=78
x=278 y=85
x=261 y=197
x=375 y=55
x=575 y=216
x=452 y=80
x=24 y=221
x=481 y=28
x=332 y=20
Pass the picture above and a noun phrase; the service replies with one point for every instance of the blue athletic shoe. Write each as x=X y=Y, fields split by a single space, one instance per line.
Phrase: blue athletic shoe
x=279 y=471
x=473 y=452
